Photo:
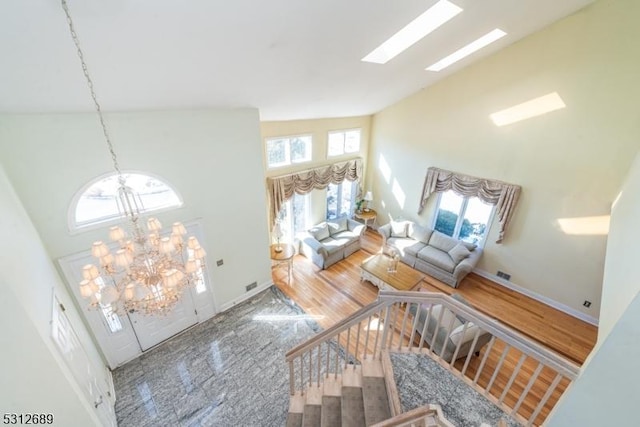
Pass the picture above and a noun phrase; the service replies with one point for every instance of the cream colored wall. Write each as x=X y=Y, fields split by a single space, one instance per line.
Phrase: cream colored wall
x=210 y=156
x=570 y=163
x=318 y=129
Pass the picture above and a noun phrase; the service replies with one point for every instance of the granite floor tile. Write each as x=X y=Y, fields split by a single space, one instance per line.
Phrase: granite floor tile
x=227 y=371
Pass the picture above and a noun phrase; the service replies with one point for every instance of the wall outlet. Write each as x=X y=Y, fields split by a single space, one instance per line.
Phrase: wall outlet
x=219 y=262
x=587 y=303
x=251 y=286
x=503 y=275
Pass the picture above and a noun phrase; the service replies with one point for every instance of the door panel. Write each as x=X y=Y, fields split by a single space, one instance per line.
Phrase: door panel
x=81 y=368
x=152 y=330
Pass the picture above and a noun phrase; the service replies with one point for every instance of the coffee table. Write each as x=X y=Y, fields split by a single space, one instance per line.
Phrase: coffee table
x=375 y=271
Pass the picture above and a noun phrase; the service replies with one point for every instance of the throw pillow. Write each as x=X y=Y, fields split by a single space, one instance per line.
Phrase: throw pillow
x=461 y=299
x=458 y=253
x=441 y=241
x=320 y=232
x=398 y=229
x=421 y=234
x=470 y=246
x=337 y=225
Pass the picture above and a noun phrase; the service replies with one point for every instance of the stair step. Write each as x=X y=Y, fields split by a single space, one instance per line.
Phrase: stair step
x=375 y=400
x=331 y=411
x=294 y=419
x=352 y=407
x=311 y=415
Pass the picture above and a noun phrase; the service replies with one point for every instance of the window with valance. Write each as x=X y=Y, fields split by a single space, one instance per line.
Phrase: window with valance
x=501 y=194
x=281 y=188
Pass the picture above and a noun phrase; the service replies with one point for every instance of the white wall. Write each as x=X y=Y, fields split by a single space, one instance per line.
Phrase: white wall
x=212 y=157
x=621 y=283
x=34 y=377
x=571 y=163
x=606 y=394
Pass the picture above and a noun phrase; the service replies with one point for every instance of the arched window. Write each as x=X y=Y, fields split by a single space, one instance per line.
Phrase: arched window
x=95 y=203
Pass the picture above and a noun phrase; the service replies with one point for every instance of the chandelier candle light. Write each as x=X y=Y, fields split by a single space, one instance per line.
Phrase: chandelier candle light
x=149 y=272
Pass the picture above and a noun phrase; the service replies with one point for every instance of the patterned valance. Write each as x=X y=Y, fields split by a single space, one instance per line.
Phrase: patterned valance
x=281 y=188
x=504 y=196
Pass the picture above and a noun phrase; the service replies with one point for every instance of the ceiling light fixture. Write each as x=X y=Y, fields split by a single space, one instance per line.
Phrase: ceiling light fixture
x=472 y=47
x=526 y=110
x=148 y=272
x=424 y=24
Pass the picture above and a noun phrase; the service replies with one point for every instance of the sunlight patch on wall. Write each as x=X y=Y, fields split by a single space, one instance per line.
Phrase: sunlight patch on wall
x=528 y=109
x=585 y=226
x=384 y=168
x=398 y=193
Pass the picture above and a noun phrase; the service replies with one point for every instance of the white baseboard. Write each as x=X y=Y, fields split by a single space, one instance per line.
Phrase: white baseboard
x=227 y=305
x=545 y=300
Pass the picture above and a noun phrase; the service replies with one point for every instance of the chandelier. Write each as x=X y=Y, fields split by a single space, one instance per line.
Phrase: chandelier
x=143 y=271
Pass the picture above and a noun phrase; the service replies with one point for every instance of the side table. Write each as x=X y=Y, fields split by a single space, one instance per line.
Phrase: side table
x=283 y=257
x=367 y=216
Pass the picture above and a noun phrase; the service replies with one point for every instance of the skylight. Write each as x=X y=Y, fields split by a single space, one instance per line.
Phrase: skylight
x=532 y=108
x=424 y=24
x=472 y=47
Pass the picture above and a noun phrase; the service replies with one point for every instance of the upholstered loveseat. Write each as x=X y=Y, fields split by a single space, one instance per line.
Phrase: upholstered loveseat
x=330 y=241
x=436 y=254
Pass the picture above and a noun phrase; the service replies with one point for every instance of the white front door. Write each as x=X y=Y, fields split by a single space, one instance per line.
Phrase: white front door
x=123 y=337
x=152 y=330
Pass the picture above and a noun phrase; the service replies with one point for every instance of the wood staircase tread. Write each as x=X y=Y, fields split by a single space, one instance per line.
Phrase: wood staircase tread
x=372 y=368
x=352 y=376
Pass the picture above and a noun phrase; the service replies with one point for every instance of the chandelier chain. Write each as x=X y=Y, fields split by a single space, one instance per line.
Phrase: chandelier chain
x=85 y=70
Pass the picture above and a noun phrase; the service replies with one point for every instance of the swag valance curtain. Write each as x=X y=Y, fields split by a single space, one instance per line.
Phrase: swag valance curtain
x=281 y=188
x=504 y=196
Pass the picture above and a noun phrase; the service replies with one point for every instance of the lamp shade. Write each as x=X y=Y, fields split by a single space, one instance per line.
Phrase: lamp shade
x=178 y=228
x=368 y=197
x=116 y=233
x=99 y=249
x=277 y=230
x=153 y=224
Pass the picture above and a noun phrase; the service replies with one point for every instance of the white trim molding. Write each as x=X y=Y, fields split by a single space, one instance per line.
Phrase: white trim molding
x=227 y=305
x=536 y=296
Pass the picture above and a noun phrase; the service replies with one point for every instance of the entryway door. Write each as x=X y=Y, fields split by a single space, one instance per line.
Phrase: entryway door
x=123 y=337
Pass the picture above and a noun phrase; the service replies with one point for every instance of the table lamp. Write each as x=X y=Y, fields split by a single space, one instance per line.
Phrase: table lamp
x=367 y=198
x=277 y=232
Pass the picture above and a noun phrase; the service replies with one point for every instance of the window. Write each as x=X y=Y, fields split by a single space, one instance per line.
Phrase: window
x=96 y=202
x=343 y=142
x=286 y=151
x=340 y=199
x=463 y=218
x=294 y=216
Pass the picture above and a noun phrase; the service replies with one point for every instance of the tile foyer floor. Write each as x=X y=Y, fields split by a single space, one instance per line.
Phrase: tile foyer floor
x=227 y=371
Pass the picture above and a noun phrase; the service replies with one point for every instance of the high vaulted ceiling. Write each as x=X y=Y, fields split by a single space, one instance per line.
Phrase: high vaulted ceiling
x=292 y=59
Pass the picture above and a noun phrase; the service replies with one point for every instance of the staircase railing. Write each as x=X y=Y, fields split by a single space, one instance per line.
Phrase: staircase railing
x=526 y=388
x=427 y=415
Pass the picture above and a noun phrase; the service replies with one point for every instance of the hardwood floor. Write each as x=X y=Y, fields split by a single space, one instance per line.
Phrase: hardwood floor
x=337 y=292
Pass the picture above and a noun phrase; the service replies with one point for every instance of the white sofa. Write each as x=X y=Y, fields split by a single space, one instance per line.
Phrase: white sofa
x=431 y=252
x=331 y=241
